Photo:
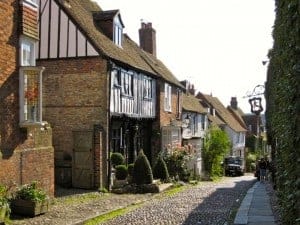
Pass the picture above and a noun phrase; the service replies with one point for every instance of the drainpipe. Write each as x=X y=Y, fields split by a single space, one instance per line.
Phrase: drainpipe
x=109 y=69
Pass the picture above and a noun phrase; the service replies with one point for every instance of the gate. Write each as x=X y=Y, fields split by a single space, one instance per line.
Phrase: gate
x=83 y=160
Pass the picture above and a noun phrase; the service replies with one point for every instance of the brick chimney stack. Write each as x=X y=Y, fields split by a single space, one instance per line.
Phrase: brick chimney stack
x=234 y=103
x=148 y=38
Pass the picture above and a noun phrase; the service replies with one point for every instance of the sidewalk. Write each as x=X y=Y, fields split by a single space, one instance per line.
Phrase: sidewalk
x=255 y=208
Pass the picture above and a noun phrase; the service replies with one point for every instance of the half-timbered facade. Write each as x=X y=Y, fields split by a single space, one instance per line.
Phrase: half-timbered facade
x=98 y=90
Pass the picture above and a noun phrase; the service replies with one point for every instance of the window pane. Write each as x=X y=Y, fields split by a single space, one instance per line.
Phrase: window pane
x=31 y=94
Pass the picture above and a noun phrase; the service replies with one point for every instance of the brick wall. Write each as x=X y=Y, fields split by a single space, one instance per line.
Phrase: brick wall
x=164 y=118
x=26 y=154
x=75 y=97
x=29 y=25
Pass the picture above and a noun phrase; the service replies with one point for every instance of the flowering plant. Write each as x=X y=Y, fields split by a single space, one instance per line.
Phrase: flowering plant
x=31 y=94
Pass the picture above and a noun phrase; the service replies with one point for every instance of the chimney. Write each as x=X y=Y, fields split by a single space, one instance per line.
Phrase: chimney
x=234 y=103
x=148 y=38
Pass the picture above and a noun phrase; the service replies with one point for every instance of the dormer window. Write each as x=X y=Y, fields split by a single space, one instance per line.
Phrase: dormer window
x=118 y=31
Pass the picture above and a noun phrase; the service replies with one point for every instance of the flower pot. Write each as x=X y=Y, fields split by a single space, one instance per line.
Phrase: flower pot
x=29 y=208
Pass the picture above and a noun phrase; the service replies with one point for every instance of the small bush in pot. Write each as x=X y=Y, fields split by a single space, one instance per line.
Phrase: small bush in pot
x=121 y=172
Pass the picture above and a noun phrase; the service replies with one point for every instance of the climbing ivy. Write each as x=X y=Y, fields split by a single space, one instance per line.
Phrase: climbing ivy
x=283 y=107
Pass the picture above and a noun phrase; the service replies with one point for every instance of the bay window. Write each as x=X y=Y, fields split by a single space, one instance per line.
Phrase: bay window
x=30 y=84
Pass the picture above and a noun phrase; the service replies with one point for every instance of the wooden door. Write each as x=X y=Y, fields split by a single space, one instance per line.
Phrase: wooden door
x=83 y=174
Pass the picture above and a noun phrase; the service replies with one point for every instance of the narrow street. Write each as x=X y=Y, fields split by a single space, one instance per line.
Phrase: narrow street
x=206 y=203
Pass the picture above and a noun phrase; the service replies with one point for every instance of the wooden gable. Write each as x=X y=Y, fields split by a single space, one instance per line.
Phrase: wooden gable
x=60 y=36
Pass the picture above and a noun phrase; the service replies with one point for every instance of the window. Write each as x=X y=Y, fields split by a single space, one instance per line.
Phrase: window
x=27 y=53
x=30 y=95
x=179 y=104
x=127 y=83
x=118 y=32
x=167 y=99
x=147 y=89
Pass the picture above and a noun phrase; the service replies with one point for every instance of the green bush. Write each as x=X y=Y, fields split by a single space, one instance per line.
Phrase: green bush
x=121 y=172
x=142 y=172
x=4 y=202
x=31 y=192
x=177 y=164
x=130 y=168
x=117 y=158
x=160 y=170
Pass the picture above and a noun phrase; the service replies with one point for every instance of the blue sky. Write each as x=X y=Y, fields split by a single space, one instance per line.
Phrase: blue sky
x=217 y=45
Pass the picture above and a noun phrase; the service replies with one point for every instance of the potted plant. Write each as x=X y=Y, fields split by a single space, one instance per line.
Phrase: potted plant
x=30 y=200
x=4 y=203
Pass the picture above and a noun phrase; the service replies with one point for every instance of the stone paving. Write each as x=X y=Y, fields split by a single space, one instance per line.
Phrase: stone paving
x=203 y=204
x=255 y=208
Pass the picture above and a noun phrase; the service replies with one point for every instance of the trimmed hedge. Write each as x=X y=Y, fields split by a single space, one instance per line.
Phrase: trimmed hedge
x=283 y=107
x=160 y=170
x=121 y=172
x=142 y=172
x=117 y=158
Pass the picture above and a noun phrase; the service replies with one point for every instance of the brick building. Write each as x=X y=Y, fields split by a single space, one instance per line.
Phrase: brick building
x=26 y=152
x=101 y=92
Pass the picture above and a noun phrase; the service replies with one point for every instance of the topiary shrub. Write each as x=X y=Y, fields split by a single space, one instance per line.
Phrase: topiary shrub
x=121 y=172
x=142 y=172
x=130 y=168
x=160 y=170
x=117 y=158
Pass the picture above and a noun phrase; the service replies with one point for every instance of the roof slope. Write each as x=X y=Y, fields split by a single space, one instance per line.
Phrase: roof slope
x=224 y=114
x=82 y=13
x=237 y=113
x=191 y=103
x=130 y=54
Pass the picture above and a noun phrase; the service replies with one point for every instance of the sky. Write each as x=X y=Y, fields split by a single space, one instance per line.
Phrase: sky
x=218 y=45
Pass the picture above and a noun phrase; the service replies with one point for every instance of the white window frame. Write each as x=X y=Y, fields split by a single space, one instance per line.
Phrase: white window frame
x=31 y=3
x=117 y=31
x=147 y=88
x=168 y=98
x=28 y=44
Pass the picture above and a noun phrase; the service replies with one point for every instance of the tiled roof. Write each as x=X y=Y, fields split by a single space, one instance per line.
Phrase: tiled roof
x=224 y=114
x=78 y=10
x=191 y=103
x=130 y=54
x=237 y=113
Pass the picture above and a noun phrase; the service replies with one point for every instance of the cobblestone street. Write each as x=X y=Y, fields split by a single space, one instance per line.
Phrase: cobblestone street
x=207 y=203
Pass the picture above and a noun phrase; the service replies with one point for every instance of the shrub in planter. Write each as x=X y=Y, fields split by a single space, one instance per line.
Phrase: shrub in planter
x=117 y=158
x=29 y=200
x=4 y=203
x=130 y=169
x=121 y=172
x=160 y=170
x=142 y=172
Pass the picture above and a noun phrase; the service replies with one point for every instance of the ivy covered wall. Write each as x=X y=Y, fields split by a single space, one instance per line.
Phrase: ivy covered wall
x=283 y=107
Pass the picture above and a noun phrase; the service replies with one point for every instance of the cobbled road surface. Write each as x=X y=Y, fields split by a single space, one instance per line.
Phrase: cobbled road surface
x=207 y=203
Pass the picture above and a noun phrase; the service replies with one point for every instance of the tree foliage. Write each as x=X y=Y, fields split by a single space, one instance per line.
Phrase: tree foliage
x=216 y=146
